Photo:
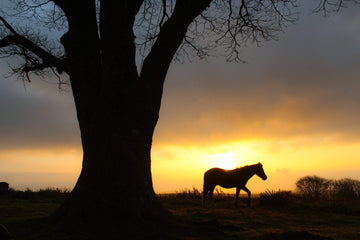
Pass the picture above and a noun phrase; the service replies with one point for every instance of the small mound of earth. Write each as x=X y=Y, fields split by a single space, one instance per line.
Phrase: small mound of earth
x=292 y=235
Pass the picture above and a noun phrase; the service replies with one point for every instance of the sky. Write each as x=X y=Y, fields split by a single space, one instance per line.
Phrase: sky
x=294 y=107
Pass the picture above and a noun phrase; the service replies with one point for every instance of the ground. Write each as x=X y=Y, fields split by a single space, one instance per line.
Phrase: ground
x=290 y=218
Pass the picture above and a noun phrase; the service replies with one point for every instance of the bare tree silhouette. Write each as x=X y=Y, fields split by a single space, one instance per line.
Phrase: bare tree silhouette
x=118 y=98
x=313 y=187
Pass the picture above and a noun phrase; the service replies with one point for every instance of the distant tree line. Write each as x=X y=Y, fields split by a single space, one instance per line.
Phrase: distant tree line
x=316 y=187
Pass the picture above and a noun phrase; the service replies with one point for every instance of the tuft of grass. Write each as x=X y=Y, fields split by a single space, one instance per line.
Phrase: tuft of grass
x=193 y=193
x=27 y=194
x=275 y=198
x=52 y=192
x=41 y=194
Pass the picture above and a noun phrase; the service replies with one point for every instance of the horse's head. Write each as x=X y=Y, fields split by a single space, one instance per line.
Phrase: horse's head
x=260 y=171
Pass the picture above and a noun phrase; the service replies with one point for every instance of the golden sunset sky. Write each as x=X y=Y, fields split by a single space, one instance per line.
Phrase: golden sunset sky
x=294 y=107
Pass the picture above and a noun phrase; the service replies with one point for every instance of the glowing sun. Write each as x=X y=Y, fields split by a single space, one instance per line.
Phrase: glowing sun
x=223 y=159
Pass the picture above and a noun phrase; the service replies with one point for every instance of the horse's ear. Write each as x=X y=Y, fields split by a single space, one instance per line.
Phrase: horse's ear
x=260 y=163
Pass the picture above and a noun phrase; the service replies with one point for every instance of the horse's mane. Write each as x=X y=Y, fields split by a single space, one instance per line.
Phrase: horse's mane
x=249 y=166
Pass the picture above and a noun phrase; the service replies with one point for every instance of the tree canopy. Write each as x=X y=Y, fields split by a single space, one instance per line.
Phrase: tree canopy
x=32 y=29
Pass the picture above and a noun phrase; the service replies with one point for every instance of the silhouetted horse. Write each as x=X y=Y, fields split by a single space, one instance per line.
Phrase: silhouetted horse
x=237 y=177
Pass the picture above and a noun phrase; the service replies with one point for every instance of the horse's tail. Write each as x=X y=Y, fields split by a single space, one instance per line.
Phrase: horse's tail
x=205 y=190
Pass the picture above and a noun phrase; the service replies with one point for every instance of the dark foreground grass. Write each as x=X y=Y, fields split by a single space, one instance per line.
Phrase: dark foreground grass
x=295 y=218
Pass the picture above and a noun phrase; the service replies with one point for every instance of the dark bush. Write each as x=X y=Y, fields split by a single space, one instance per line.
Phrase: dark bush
x=313 y=187
x=345 y=188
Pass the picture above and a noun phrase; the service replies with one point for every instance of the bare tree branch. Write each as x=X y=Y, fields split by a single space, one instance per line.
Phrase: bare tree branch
x=171 y=36
x=47 y=59
x=8 y=26
x=328 y=6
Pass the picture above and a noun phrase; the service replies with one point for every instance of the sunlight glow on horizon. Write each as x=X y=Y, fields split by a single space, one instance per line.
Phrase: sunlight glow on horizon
x=283 y=163
x=47 y=160
x=176 y=167
x=179 y=167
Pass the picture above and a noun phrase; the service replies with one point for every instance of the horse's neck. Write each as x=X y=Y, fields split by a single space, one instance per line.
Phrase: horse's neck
x=250 y=172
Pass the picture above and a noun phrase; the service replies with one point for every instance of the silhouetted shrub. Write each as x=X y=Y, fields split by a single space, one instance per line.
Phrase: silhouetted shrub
x=313 y=186
x=275 y=198
x=345 y=188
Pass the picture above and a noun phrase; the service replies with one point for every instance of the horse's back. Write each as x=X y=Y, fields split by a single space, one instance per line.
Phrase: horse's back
x=214 y=172
x=219 y=176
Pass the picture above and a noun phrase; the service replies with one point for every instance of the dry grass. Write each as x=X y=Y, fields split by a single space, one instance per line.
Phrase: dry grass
x=267 y=219
x=273 y=215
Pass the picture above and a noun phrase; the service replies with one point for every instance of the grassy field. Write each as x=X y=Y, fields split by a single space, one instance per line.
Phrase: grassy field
x=273 y=215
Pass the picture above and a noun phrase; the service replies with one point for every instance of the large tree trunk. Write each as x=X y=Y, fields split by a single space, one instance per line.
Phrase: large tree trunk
x=117 y=113
x=115 y=185
x=117 y=109
x=115 y=180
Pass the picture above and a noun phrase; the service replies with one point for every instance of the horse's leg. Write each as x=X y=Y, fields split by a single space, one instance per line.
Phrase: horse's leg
x=249 y=195
x=237 y=195
x=205 y=192
x=211 y=193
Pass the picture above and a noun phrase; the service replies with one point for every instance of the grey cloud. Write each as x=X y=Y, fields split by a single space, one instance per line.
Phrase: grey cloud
x=305 y=84
x=36 y=117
